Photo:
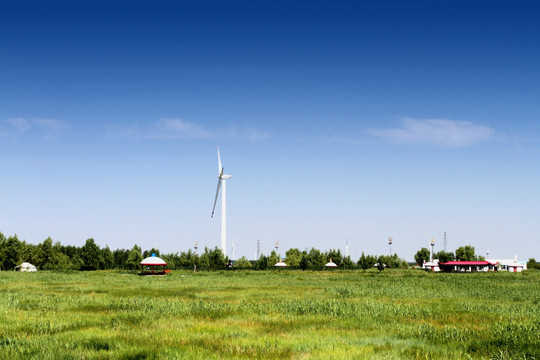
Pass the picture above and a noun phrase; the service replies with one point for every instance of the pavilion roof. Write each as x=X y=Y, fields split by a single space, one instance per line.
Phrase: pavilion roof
x=153 y=261
x=468 y=263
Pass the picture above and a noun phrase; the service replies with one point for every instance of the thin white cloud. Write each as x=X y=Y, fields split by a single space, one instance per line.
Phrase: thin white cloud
x=436 y=132
x=177 y=129
x=180 y=129
x=48 y=128
x=17 y=125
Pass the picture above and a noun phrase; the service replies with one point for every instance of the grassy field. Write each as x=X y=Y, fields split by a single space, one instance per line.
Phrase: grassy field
x=402 y=314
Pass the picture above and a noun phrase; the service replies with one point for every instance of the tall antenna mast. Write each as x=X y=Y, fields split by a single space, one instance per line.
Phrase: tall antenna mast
x=258 y=253
x=445 y=241
x=346 y=247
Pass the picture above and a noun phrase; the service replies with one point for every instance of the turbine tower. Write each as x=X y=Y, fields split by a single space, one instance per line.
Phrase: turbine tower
x=221 y=184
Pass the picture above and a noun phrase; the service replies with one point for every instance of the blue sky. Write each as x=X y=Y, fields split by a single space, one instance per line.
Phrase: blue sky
x=337 y=120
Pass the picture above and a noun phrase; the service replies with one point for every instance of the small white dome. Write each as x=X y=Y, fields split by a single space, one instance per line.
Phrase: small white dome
x=153 y=261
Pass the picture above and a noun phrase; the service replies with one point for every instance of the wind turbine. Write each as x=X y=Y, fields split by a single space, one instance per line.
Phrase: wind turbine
x=221 y=184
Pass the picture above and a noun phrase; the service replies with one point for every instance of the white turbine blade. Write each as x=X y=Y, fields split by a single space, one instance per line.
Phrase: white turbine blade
x=220 y=168
x=217 y=194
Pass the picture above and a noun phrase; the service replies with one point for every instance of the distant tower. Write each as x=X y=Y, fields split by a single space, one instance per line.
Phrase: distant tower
x=390 y=245
x=346 y=247
x=277 y=246
x=232 y=250
x=445 y=241
x=258 y=253
x=432 y=244
x=196 y=246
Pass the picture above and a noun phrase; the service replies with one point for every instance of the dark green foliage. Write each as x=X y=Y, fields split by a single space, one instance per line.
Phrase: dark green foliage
x=394 y=262
x=422 y=256
x=213 y=259
x=380 y=263
x=293 y=257
x=466 y=253
x=261 y=263
x=120 y=258
x=335 y=256
x=444 y=256
x=107 y=258
x=316 y=259
x=242 y=263
x=273 y=259
x=366 y=261
x=148 y=253
x=347 y=263
x=10 y=252
x=532 y=264
x=134 y=258
x=304 y=261
x=91 y=256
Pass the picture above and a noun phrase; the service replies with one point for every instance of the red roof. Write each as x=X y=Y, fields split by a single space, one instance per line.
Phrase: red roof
x=469 y=263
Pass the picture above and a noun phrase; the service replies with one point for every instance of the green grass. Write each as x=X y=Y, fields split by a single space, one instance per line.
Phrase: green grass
x=402 y=314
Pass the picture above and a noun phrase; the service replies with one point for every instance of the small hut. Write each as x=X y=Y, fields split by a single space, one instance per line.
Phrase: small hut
x=148 y=266
x=26 y=267
x=331 y=264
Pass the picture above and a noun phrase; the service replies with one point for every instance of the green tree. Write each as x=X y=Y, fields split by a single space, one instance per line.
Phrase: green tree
x=380 y=263
x=187 y=260
x=243 y=263
x=261 y=263
x=465 y=253
x=422 y=256
x=213 y=259
x=316 y=259
x=12 y=252
x=273 y=259
x=134 y=258
x=120 y=258
x=293 y=257
x=444 y=256
x=3 y=241
x=366 y=261
x=348 y=263
x=148 y=253
x=335 y=256
x=304 y=264
x=45 y=254
x=532 y=264
x=107 y=258
x=91 y=255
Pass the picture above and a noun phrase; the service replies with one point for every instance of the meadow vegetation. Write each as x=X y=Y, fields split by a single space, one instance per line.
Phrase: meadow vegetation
x=394 y=314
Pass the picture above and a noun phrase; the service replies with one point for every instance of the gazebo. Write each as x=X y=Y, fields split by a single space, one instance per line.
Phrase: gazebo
x=331 y=264
x=280 y=264
x=150 y=263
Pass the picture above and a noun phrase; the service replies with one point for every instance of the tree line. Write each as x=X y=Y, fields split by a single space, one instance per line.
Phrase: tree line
x=50 y=255
x=463 y=253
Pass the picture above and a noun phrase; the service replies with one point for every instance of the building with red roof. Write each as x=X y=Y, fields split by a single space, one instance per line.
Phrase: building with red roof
x=468 y=266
